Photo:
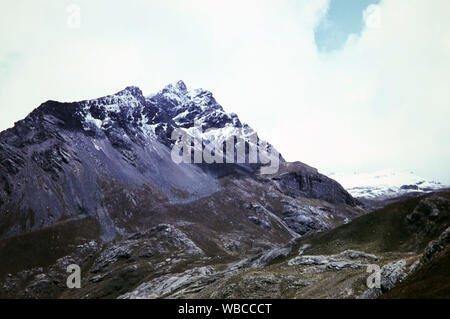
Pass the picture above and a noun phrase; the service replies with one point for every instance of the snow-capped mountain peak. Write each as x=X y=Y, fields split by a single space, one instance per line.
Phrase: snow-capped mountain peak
x=180 y=96
x=130 y=117
x=188 y=105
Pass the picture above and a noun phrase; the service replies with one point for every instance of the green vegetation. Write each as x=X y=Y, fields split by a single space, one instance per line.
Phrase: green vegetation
x=385 y=230
x=41 y=248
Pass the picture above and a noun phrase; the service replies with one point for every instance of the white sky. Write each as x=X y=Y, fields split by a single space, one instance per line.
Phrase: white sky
x=382 y=101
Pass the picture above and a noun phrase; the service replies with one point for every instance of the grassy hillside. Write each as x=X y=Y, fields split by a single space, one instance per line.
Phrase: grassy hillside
x=385 y=230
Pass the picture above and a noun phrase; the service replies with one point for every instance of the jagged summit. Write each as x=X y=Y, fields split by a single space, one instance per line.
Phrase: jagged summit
x=133 y=90
x=176 y=87
x=182 y=103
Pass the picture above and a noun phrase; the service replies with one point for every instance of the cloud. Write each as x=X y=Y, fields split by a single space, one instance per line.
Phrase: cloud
x=381 y=101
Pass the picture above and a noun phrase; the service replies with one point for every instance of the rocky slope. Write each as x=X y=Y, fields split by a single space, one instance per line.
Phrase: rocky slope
x=334 y=264
x=93 y=183
x=167 y=261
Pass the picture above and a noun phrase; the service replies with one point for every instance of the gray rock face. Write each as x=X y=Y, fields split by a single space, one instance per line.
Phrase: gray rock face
x=302 y=180
x=260 y=222
x=270 y=256
x=429 y=219
x=160 y=240
x=392 y=273
x=354 y=254
x=304 y=219
x=347 y=259
x=165 y=285
x=436 y=247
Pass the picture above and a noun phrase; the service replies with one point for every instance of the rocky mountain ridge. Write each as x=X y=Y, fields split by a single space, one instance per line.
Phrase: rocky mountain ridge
x=61 y=160
x=93 y=183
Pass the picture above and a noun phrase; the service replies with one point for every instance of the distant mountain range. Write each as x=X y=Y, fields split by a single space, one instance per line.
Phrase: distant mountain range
x=386 y=184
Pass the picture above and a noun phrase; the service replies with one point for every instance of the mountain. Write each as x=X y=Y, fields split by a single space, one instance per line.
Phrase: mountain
x=386 y=184
x=71 y=160
x=94 y=183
